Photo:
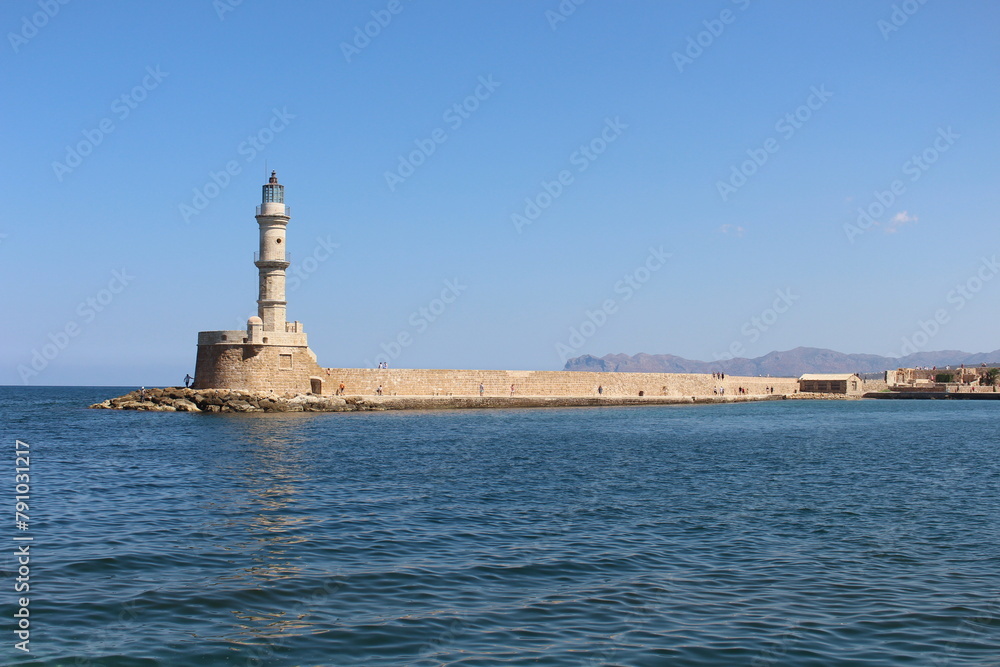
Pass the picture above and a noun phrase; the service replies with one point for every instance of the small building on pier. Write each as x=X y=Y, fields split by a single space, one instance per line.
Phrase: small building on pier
x=831 y=383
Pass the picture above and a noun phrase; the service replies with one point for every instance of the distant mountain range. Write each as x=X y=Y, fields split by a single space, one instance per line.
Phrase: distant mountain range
x=791 y=363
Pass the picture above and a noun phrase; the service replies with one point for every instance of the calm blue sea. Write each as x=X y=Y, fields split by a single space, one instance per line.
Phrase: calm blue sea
x=785 y=533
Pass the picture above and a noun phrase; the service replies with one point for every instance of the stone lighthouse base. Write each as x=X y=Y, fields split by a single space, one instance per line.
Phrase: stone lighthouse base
x=268 y=361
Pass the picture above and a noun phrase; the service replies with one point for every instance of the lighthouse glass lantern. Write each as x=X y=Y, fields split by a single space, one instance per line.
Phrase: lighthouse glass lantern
x=273 y=191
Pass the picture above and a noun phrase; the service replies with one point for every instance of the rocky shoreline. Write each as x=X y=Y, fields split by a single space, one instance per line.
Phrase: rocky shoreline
x=179 y=399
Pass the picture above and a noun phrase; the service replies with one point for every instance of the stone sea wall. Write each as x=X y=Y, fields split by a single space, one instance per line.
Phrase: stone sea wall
x=177 y=399
x=284 y=369
x=289 y=369
x=309 y=388
x=426 y=382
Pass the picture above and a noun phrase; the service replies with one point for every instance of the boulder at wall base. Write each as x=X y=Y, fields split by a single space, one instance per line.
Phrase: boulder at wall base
x=273 y=405
x=183 y=405
x=147 y=406
x=242 y=406
x=132 y=396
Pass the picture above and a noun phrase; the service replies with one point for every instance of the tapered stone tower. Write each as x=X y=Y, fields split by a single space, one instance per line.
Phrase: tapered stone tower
x=272 y=354
x=271 y=260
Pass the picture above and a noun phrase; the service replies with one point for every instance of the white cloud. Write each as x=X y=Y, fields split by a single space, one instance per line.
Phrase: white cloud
x=898 y=220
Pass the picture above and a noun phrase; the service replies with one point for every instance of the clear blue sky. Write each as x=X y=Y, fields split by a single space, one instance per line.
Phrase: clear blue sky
x=666 y=123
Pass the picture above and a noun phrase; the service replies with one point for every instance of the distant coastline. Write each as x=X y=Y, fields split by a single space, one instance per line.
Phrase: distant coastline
x=787 y=363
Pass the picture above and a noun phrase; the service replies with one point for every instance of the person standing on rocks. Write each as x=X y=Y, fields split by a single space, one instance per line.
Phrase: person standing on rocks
x=340 y=389
x=379 y=390
x=187 y=381
x=512 y=390
x=481 y=389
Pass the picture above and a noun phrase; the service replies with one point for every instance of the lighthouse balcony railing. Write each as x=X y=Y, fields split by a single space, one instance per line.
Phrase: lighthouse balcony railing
x=288 y=257
x=288 y=209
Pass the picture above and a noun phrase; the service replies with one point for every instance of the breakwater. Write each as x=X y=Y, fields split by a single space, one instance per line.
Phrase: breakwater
x=178 y=399
x=499 y=383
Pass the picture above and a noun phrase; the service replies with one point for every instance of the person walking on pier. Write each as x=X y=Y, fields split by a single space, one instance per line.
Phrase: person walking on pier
x=511 y=390
x=481 y=388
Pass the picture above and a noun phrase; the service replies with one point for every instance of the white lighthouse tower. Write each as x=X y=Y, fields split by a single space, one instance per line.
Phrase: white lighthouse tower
x=271 y=260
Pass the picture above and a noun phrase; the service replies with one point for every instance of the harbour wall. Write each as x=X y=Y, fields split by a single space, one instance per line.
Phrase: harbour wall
x=179 y=399
x=292 y=369
x=429 y=382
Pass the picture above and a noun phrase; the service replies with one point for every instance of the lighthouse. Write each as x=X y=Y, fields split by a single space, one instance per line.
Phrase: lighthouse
x=271 y=259
x=272 y=353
